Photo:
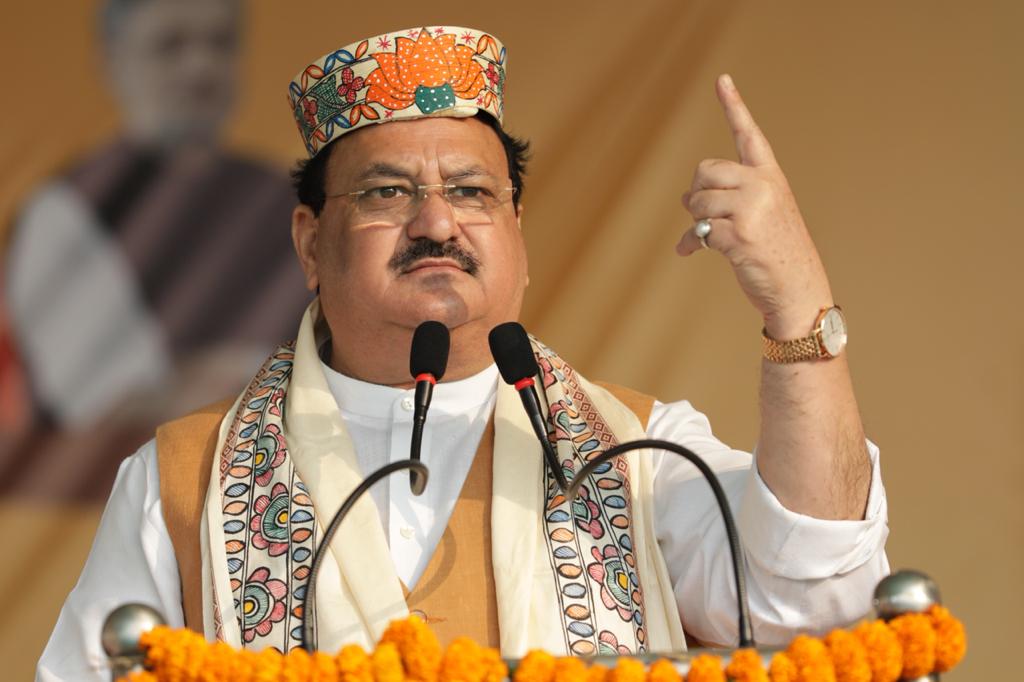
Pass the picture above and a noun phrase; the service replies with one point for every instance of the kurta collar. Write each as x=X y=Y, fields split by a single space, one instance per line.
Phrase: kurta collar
x=377 y=401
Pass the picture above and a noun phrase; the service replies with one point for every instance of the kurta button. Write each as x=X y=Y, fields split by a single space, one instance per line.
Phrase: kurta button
x=407 y=532
x=407 y=403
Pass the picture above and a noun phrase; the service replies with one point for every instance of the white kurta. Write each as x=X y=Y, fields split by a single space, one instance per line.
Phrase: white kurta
x=804 y=574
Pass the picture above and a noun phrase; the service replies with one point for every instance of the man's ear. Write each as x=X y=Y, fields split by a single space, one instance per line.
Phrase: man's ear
x=305 y=229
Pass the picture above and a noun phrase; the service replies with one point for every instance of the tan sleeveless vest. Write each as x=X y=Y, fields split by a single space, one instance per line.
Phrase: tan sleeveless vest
x=456 y=593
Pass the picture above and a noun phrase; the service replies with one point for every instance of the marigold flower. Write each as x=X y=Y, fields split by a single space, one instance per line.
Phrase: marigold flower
x=706 y=668
x=387 y=663
x=848 y=656
x=597 y=673
x=917 y=637
x=417 y=646
x=324 y=668
x=570 y=669
x=496 y=668
x=782 y=668
x=267 y=666
x=296 y=666
x=885 y=655
x=219 y=662
x=354 y=664
x=463 y=661
x=627 y=670
x=536 y=666
x=746 y=666
x=663 y=671
x=812 y=659
x=952 y=638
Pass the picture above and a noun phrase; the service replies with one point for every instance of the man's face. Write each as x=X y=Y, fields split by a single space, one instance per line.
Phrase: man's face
x=436 y=262
x=173 y=67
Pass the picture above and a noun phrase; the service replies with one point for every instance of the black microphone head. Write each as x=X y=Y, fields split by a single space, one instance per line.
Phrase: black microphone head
x=430 y=344
x=512 y=352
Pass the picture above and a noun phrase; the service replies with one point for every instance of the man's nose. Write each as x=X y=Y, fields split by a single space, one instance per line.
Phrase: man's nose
x=433 y=219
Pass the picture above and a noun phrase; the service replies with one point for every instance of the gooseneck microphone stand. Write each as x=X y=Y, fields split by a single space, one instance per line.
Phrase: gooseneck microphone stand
x=746 y=631
x=309 y=601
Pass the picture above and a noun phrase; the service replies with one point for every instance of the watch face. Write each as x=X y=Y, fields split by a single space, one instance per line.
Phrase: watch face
x=833 y=332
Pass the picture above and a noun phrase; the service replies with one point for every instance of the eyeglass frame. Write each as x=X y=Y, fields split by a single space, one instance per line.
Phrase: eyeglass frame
x=421 y=192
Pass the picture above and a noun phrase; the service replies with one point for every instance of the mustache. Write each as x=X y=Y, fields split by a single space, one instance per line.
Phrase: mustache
x=427 y=248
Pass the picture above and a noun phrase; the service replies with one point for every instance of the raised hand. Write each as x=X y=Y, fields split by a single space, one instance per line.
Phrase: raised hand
x=757 y=226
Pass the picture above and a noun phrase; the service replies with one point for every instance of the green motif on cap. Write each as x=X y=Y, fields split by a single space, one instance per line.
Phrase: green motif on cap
x=430 y=100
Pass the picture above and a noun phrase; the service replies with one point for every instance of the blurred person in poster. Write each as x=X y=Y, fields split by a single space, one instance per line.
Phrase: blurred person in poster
x=147 y=277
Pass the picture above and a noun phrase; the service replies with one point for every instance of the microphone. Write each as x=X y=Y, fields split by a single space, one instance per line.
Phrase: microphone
x=309 y=599
x=746 y=631
x=513 y=354
x=428 y=360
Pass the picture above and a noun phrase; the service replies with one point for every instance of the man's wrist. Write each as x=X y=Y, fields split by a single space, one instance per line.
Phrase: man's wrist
x=825 y=340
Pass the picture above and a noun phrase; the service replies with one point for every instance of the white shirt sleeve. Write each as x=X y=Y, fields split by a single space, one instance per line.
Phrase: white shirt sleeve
x=803 y=574
x=131 y=561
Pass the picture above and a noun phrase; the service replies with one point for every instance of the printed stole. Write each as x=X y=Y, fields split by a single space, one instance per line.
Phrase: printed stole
x=270 y=528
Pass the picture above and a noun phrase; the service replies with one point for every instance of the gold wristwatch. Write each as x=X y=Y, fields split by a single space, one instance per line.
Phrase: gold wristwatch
x=827 y=340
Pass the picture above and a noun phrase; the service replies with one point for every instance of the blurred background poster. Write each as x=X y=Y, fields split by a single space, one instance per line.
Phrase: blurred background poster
x=146 y=266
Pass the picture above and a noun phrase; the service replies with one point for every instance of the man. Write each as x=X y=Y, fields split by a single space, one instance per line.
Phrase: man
x=130 y=276
x=413 y=215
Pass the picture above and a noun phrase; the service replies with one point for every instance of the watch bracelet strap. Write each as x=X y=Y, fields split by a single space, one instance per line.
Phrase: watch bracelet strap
x=797 y=350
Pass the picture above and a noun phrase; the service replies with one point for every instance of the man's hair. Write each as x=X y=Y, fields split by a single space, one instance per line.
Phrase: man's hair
x=310 y=175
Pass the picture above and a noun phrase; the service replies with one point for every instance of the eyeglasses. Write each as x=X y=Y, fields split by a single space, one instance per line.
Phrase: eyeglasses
x=401 y=202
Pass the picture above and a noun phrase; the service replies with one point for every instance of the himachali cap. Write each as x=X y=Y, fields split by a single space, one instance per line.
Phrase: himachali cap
x=449 y=71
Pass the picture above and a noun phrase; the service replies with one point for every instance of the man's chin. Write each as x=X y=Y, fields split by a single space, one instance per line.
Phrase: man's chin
x=442 y=303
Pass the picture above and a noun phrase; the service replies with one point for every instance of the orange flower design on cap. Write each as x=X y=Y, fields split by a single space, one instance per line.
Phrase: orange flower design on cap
x=428 y=72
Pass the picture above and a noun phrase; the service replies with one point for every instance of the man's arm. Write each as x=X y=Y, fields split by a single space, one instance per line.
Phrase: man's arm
x=803 y=574
x=811 y=452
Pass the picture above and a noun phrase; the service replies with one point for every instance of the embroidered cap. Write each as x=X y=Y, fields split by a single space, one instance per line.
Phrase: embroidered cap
x=402 y=75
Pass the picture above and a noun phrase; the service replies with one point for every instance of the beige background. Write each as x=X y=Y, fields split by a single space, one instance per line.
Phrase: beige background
x=898 y=125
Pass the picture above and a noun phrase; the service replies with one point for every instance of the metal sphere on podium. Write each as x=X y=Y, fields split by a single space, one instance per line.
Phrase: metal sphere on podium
x=121 y=633
x=906 y=591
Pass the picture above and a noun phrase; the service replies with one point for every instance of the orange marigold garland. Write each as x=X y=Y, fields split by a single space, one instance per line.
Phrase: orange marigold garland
x=462 y=661
x=387 y=663
x=663 y=671
x=746 y=666
x=627 y=670
x=354 y=664
x=268 y=666
x=418 y=647
x=296 y=666
x=885 y=655
x=812 y=659
x=706 y=668
x=914 y=630
x=322 y=668
x=911 y=645
x=848 y=656
x=952 y=638
x=536 y=666
x=597 y=673
x=782 y=668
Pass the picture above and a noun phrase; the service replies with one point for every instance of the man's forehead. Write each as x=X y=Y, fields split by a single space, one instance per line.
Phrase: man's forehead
x=450 y=144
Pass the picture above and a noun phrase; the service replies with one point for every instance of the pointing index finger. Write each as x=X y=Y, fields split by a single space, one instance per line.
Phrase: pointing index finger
x=751 y=144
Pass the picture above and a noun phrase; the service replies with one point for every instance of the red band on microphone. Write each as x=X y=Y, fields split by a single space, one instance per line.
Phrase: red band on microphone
x=523 y=383
x=426 y=376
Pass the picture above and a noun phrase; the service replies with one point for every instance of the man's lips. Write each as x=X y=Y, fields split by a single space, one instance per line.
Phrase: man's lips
x=425 y=263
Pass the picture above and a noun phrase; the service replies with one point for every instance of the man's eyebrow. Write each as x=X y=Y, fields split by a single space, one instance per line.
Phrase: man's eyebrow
x=383 y=170
x=469 y=172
